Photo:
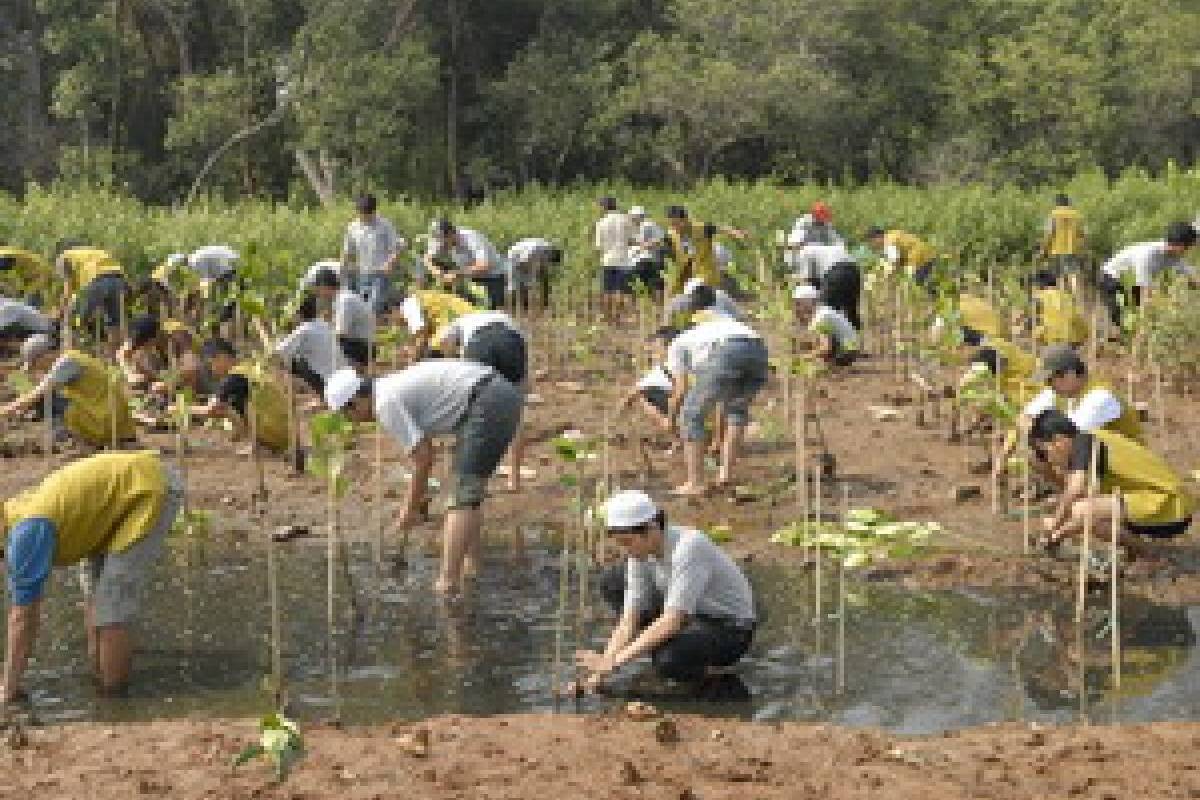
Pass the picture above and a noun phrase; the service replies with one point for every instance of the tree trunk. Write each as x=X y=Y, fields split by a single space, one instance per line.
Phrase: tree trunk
x=453 y=11
x=35 y=148
x=319 y=177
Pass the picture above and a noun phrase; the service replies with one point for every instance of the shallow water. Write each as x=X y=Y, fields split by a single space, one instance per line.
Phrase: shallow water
x=912 y=662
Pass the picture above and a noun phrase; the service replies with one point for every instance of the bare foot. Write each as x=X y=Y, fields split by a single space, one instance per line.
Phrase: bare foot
x=445 y=587
x=689 y=490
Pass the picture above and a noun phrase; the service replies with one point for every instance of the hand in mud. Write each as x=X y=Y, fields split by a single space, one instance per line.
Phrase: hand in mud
x=598 y=664
x=668 y=426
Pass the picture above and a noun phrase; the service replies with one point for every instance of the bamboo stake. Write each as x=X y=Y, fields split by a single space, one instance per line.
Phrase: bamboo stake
x=112 y=408
x=841 y=662
x=1160 y=407
x=1115 y=601
x=564 y=567
x=1025 y=499
x=331 y=585
x=1085 y=547
x=276 y=632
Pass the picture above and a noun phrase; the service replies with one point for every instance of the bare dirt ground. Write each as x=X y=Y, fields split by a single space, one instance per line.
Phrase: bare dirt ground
x=534 y=756
x=913 y=472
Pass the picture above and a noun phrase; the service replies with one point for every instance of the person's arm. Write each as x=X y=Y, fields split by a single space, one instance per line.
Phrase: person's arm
x=662 y=630
x=679 y=385
x=63 y=372
x=28 y=561
x=422 y=463
x=349 y=249
x=1073 y=492
x=624 y=633
x=736 y=233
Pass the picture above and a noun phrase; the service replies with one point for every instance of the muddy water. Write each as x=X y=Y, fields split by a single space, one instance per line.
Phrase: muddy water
x=911 y=662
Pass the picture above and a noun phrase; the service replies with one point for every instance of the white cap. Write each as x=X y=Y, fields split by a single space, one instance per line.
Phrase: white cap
x=805 y=291
x=175 y=259
x=629 y=509
x=637 y=211
x=33 y=348
x=692 y=285
x=341 y=386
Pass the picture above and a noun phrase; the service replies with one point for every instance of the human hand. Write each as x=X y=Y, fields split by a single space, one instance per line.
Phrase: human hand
x=1049 y=524
x=597 y=664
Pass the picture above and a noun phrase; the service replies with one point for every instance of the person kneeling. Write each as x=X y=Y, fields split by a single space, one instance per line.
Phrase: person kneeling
x=1152 y=501
x=837 y=339
x=682 y=600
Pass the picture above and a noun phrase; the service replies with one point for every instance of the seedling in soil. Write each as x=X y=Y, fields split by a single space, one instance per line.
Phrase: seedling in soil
x=279 y=742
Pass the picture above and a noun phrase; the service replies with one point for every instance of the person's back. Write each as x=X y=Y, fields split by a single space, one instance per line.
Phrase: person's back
x=614 y=234
x=430 y=397
x=314 y=342
x=1064 y=232
x=1152 y=491
x=695 y=576
x=214 y=262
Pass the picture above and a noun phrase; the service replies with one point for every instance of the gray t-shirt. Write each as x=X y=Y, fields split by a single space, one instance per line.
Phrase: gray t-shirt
x=14 y=313
x=694 y=576
x=312 y=342
x=427 y=399
x=352 y=316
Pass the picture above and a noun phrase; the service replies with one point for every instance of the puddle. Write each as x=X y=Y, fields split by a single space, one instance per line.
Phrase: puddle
x=911 y=662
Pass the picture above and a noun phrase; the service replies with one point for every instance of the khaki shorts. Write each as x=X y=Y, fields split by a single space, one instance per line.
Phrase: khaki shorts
x=113 y=581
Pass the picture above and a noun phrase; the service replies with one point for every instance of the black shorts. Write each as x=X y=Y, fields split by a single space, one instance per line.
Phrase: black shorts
x=650 y=273
x=103 y=297
x=493 y=286
x=1167 y=530
x=617 y=279
x=500 y=347
x=657 y=398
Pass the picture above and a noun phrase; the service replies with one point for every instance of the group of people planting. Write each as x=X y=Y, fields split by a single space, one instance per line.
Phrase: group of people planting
x=184 y=343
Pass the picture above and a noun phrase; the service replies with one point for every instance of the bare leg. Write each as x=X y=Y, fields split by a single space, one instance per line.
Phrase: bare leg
x=516 y=454
x=114 y=657
x=730 y=448
x=693 y=459
x=1102 y=509
x=461 y=525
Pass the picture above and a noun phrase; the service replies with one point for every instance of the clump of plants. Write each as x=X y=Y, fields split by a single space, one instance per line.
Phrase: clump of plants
x=867 y=536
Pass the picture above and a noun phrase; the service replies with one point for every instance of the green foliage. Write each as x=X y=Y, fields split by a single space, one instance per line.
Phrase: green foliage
x=868 y=535
x=978 y=392
x=279 y=742
x=332 y=435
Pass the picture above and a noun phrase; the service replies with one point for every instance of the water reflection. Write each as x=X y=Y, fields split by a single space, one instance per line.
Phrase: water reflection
x=913 y=662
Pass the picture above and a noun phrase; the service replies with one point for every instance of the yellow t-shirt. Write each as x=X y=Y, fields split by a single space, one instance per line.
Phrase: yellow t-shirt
x=440 y=309
x=270 y=407
x=89 y=263
x=979 y=315
x=914 y=252
x=92 y=399
x=1154 y=493
x=1065 y=234
x=1059 y=318
x=28 y=266
x=101 y=504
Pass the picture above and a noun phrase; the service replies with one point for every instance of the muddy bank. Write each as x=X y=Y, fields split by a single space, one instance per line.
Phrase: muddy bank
x=530 y=757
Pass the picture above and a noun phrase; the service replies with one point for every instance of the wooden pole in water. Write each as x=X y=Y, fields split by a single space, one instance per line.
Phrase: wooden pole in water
x=1160 y=408
x=331 y=551
x=276 y=632
x=1025 y=497
x=841 y=662
x=1085 y=546
x=1114 y=612
x=564 y=568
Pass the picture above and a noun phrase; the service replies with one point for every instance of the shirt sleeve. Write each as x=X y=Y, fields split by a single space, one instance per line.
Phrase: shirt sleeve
x=234 y=391
x=287 y=348
x=1042 y=401
x=1142 y=271
x=638 y=586
x=892 y=254
x=399 y=422
x=30 y=557
x=1096 y=409
x=349 y=250
x=689 y=579
x=342 y=324
x=677 y=358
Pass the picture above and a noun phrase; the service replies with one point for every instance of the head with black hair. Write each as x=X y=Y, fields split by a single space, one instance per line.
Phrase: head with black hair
x=554 y=255
x=988 y=357
x=144 y=330
x=326 y=284
x=1061 y=199
x=220 y=355
x=1051 y=435
x=607 y=203
x=1064 y=370
x=677 y=217
x=874 y=237
x=701 y=296
x=1181 y=236
x=307 y=310
x=1045 y=279
x=366 y=206
x=7 y=263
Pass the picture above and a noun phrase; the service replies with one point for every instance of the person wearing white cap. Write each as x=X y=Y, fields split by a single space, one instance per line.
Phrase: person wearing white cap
x=699 y=297
x=436 y=398
x=837 y=340
x=683 y=601
x=649 y=239
x=727 y=363
x=19 y=321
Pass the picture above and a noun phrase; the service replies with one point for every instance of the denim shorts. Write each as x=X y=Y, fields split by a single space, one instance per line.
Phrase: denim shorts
x=503 y=349
x=733 y=374
x=113 y=581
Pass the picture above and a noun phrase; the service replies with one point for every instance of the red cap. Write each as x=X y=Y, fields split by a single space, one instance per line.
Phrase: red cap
x=820 y=212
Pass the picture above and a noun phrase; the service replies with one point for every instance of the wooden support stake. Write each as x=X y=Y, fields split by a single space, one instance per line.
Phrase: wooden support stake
x=1114 y=611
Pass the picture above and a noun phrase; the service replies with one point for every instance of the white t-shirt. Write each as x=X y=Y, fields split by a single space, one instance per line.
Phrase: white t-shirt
x=614 y=235
x=1094 y=410
x=694 y=576
x=472 y=247
x=831 y=322
x=463 y=328
x=1146 y=259
x=808 y=231
x=722 y=304
x=427 y=399
x=314 y=343
x=519 y=256
x=14 y=312
x=812 y=261
x=213 y=262
x=693 y=347
x=647 y=238
x=352 y=316
x=370 y=247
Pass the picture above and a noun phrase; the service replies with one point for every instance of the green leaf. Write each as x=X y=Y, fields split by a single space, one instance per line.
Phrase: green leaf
x=250 y=753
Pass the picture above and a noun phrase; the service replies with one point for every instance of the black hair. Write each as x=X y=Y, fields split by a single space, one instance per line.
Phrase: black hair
x=307 y=310
x=444 y=227
x=874 y=231
x=988 y=357
x=676 y=212
x=1045 y=279
x=971 y=337
x=666 y=333
x=702 y=297
x=554 y=255
x=216 y=347
x=608 y=203
x=1181 y=233
x=7 y=263
x=366 y=389
x=326 y=279
x=1075 y=366
x=142 y=329
x=659 y=517
x=63 y=245
x=1061 y=199
x=1050 y=424
x=366 y=204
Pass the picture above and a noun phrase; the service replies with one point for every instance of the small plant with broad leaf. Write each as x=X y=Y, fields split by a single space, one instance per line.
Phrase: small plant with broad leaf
x=332 y=435
x=867 y=536
x=279 y=742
